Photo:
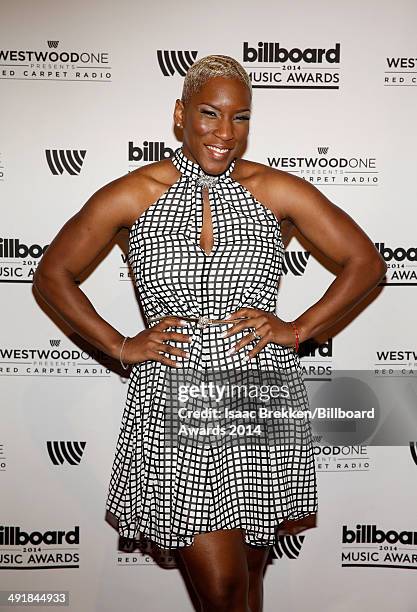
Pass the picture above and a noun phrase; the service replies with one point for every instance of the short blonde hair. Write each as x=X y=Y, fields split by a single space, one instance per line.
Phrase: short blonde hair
x=209 y=67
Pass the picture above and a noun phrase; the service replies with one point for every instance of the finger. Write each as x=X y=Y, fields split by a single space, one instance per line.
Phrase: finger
x=167 y=361
x=264 y=329
x=175 y=336
x=247 y=339
x=257 y=348
x=162 y=358
x=251 y=338
x=167 y=348
x=236 y=327
x=242 y=312
x=169 y=322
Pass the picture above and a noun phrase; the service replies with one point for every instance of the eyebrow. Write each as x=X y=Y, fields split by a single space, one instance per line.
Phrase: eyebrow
x=243 y=110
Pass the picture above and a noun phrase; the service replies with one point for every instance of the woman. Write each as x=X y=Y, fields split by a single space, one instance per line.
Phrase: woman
x=206 y=241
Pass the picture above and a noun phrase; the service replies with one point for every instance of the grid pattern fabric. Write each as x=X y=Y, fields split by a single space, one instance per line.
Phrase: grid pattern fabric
x=167 y=490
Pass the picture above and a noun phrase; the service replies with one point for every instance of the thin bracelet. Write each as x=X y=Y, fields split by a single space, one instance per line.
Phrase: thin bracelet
x=297 y=337
x=125 y=367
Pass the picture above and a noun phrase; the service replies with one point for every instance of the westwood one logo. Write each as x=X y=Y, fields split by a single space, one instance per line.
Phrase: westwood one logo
x=327 y=167
x=175 y=62
x=66 y=161
x=65 y=451
x=285 y=67
x=55 y=64
x=400 y=72
x=53 y=360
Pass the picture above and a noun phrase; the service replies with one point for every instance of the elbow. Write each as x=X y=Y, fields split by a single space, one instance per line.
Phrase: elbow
x=380 y=267
x=41 y=275
x=37 y=278
x=384 y=270
x=47 y=281
x=41 y=281
x=372 y=267
x=376 y=269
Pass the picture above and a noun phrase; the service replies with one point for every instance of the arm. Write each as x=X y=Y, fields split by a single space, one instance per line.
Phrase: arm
x=287 y=231
x=337 y=236
x=74 y=248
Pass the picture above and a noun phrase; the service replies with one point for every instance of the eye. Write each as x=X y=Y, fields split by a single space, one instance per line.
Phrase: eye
x=208 y=112
x=243 y=117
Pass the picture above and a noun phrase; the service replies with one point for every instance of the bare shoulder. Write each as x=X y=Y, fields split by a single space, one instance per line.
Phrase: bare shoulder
x=271 y=186
x=128 y=196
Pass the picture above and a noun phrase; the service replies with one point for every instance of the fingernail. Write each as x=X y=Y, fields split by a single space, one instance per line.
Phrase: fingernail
x=182 y=322
x=224 y=334
x=186 y=354
x=231 y=351
x=246 y=358
x=178 y=365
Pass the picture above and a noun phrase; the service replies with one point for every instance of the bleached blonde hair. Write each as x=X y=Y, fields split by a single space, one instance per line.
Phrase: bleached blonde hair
x=209 y=67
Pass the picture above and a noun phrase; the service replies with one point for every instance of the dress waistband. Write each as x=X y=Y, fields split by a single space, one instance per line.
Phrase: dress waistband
x=202 y=321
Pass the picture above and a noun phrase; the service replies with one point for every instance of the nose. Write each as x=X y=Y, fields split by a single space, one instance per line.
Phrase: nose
x=224 y=129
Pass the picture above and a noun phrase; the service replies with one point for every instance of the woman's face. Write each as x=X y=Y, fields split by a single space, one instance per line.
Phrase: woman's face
x=215 y=123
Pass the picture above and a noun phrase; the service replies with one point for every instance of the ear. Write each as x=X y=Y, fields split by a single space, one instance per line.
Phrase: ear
x=179 y=113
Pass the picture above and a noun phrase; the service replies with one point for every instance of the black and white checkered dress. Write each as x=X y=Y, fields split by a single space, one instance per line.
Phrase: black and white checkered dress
x=167 y=486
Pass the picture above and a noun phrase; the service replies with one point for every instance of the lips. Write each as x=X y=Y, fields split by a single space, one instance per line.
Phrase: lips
x=218 y=152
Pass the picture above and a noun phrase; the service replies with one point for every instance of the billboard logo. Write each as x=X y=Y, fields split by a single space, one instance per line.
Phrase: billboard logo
x=273 y=52
x=28 y=550
x=402 y=264
x=273 y=66
x=396 y=254
x=150 y=151
x=53 y=44
x=65 y=160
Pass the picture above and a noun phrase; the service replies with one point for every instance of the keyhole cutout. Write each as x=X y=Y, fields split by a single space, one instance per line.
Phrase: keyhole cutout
x=206 y=235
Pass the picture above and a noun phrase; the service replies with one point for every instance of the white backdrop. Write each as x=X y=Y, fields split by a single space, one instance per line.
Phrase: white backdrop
x=79 y=82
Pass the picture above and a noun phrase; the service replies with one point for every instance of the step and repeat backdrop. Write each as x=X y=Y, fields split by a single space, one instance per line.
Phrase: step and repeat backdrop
x=87 y=95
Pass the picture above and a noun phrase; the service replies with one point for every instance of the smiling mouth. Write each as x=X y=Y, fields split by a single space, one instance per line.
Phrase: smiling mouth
x=221 y=151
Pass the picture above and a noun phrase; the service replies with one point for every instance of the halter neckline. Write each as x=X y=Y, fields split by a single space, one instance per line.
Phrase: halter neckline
x=194 y=171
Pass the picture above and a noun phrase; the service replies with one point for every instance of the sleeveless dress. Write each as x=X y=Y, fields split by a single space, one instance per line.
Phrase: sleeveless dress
x=165 y=491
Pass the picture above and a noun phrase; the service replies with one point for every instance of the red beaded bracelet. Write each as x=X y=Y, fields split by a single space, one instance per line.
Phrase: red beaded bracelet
x=297 y=336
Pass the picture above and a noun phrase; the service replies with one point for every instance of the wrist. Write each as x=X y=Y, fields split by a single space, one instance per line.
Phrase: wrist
x=122 y=359
x=302 y=329
x=295 y=337
x=114 y=348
